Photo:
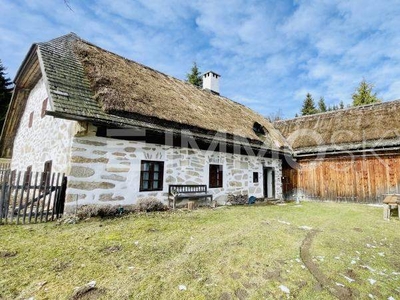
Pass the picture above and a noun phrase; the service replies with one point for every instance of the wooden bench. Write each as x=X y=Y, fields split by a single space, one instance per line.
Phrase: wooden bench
x=391 y=202
x=187 y=191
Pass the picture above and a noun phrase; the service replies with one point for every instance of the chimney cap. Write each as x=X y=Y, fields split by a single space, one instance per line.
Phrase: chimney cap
x=205 y=73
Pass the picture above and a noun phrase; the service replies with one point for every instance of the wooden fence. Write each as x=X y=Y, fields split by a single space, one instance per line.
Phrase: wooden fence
x=27 y=197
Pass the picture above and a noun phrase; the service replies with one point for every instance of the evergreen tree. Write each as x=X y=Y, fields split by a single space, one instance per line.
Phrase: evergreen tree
x=364 y=95
x=322 y=105
x=194 y=77
x=308 y=106
x=5 y=94
x=341 y=105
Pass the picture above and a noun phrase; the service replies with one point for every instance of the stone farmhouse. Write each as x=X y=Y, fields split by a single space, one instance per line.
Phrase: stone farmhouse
x=122 y=131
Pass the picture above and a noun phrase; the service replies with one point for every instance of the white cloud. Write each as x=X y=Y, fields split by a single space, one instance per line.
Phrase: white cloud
x=269 y=53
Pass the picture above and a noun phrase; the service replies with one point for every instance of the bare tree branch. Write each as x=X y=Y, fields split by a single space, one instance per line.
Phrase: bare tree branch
x=67 y=4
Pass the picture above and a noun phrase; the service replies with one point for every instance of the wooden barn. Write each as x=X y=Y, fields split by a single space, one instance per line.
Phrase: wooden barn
x=346 y=155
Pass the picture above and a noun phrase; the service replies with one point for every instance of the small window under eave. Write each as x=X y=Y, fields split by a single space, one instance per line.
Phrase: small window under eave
x=259 y=129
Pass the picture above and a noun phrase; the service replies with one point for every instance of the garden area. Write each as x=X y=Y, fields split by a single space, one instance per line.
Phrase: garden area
x=313 y=250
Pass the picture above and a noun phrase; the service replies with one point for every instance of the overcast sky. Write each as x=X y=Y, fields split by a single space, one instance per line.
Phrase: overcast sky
x=269 y=53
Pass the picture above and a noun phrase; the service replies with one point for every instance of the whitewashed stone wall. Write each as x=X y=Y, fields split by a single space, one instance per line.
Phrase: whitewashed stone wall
x=48 y=138
x=107 y=171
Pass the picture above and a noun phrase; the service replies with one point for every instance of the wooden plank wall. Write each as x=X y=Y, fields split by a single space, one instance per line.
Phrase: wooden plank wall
x=354 y=179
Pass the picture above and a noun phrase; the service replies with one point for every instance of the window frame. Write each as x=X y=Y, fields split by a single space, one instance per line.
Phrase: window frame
x=216 y=176
x=46 y=174
x=44 y=107
x=151 y=173
x=30 y=122
x=255 y=177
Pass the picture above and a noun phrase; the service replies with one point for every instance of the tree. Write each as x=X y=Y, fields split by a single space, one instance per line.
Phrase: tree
x=308 y=106
x=364 y=95
x=276 y=116
x=341 y=105
x=194 y=77
x=5 y=93
x=322 y=105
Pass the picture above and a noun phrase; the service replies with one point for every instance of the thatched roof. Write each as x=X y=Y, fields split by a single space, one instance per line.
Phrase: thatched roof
x=124 y=87
x=86 y=82
x=363 y=127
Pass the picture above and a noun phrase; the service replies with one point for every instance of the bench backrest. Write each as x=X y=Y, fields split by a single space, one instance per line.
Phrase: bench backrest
x=187 y=188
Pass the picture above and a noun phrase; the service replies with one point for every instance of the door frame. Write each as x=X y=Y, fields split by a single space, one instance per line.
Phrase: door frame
x=269 y=182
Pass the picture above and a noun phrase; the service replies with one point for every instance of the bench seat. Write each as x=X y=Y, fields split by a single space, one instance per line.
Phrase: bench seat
x=187 y=192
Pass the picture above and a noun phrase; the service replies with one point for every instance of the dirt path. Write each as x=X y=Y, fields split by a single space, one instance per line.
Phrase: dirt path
x=337 y=291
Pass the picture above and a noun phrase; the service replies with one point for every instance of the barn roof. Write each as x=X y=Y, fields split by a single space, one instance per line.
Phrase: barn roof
x=368 y=127
x=86 y=82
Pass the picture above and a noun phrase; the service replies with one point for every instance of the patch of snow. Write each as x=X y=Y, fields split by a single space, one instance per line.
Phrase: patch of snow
x=182 y=287
x=368 y=268
x=337 y=257
x=395 y=273
x=283 y=222
x=284 y=289
x=305 y=227
x=136 y=243
x=298 y=260
x=372 y=281
x=348 y=278
x=131 y=268
x=391 y=298
x=303 y=267
x=381 y=254
x=353 y=262
x=339 y=284
x=371 y=296
x=382 y=273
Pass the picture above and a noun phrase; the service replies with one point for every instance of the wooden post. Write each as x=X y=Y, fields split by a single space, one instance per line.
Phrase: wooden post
x=191 y=205
x=33 y=198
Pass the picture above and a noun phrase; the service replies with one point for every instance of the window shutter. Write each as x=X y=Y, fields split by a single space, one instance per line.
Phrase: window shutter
x=30 y=120
x=44 y=106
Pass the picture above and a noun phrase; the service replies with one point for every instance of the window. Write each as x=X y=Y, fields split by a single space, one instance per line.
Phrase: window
x=255 y=177
x=151 y=175
x=30 y=120
x=215 y=176
x=258 y=128
x=44 y=106
x=46 y=173
x=28 y=174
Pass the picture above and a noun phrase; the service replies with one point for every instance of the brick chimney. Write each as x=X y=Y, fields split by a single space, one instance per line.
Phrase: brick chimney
x=211 y=82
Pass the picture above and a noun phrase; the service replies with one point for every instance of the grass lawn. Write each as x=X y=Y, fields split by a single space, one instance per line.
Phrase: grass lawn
x=225 y=253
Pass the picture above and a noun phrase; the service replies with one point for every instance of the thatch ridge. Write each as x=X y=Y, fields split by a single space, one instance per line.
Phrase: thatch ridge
x=350 y=128
x=123 y=87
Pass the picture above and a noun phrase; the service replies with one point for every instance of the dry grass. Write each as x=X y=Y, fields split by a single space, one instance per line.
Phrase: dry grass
x=225 y=253
x=347 y=126
x=124 y=86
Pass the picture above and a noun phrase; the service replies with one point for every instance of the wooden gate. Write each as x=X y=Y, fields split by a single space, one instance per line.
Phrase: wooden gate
x=27 y=197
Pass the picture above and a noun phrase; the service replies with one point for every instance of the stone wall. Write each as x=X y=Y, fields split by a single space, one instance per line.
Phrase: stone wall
x=105 y=170
x=47 y=139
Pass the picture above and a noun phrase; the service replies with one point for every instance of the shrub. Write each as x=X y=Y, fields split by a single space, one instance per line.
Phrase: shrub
x=86 y=211
x=93 y=210
x=149 y=204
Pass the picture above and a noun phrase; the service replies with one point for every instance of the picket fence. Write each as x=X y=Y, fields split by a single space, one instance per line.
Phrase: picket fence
x=27 y=197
